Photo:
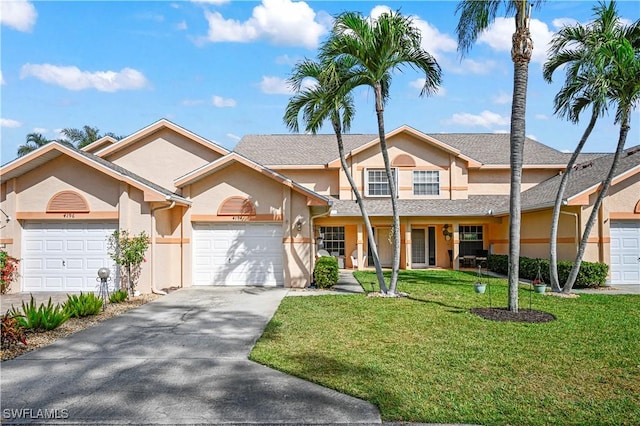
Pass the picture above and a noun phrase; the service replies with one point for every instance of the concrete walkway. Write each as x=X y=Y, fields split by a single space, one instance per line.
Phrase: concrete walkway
x=179 y=359
x=347 y=284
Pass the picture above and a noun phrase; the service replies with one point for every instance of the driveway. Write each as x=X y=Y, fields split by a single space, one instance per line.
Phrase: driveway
x=179 y=359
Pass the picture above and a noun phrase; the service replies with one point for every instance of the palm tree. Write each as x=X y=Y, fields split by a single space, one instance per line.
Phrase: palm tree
x=326 y=99
x=618 y=58
x=585 y=85
x=379 y=47
x=85 y=136
x=475 y=17
x=33 y=142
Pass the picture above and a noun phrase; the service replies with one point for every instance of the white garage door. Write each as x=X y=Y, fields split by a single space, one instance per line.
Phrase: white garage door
x=64 y=256
x=625 y=252
x=237 y=254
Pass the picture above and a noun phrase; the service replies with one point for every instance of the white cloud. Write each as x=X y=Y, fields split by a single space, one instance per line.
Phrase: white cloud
x=541 y=116
x=2 y=82
x=18 y=14
x=275 y=86
x=233 y=136
x=563 y=22
x=484 y=119
x=498 y=37
x=531 y=136
x=41 y=130
x=216 y=2
x=220 y=102
x=7 y=122
x=470 y=66
x=502 y=98
x=288 y=60
x=182 y=25
x=281 y=22
x=72 y=78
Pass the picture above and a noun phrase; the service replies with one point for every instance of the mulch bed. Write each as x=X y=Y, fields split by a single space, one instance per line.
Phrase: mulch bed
x=523 y=315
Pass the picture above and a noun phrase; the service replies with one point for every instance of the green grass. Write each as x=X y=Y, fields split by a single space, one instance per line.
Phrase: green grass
x=426 y=358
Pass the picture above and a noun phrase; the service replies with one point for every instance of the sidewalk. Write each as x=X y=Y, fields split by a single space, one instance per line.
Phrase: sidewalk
x=347 y=284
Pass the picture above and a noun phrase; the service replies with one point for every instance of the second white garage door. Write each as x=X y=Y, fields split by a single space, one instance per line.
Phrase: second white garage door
x=237 y=254
x=625 y=252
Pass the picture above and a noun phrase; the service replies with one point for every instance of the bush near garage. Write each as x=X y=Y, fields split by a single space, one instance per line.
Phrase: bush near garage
x=591 y=274
x=44 y=317
x=83 y=305
x=325 y=272
x=118 y=296
x=8 y=271
x=11 y=332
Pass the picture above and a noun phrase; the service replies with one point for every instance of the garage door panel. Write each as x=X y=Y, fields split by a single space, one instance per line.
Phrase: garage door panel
x=238 y=254
x=65 y=256
x=625 y=252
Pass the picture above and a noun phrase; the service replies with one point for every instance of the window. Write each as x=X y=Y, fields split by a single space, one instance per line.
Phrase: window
x=470 y=239
x=331 y=239
x=377 y=184
x=426 y=182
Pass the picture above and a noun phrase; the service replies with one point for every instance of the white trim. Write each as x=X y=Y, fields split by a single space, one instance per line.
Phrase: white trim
x=366 y=181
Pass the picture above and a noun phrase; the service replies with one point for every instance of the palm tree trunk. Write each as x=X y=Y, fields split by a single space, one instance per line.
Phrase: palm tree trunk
x=363 y=210
x=555 y=218
x=395 y=265
x=521 y=50
x=624 y=130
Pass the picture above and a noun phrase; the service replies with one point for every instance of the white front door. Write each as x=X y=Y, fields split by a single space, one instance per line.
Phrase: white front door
x=418 y=248
x=238 y=254
x=625 y=252
x=64 y=256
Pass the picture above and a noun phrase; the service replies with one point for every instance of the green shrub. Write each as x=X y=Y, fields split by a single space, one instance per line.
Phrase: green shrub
x=40 y=318
x=590 y=274
x=118 y=296
x=325 y=272
x=8 y=271
x=11 y=332
x=83 y=305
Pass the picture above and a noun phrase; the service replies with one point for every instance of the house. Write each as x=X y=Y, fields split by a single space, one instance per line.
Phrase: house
x=258 y=215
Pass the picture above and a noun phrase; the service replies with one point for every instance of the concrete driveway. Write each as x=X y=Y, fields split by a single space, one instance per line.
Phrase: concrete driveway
x=179 y=359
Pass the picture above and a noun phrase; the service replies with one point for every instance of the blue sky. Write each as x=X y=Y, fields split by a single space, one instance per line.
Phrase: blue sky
x=219 y=69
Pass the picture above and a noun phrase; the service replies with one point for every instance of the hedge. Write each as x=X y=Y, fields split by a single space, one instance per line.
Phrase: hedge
x=590 y=274
x=325 y=272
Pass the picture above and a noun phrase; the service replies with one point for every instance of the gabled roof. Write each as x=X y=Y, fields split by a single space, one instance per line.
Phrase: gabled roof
x=208 y=169
x=475 y=205
x=583 y=181
x=52 y=150
x=157 y=126
x=486 y=150
x=99 y=144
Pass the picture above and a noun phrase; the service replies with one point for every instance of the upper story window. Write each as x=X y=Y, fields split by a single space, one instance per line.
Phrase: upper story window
x=377 y=184
x=426 y=182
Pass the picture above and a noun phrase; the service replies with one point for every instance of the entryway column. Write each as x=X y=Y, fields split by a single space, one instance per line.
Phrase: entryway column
x=360 y=246
x=456 y=246
x=408 y=244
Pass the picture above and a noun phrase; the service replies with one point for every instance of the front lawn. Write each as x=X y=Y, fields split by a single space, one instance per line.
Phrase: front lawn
x=426 y=358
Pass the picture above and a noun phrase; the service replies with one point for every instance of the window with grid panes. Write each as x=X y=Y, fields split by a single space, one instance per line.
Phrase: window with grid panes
x=332 y=239
x=377 y=182
x=426 y=182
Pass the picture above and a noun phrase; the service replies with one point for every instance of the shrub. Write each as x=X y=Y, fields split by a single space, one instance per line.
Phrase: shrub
x=118 y=296
x=11 y=332
x=8 y=271
x=590 y=274
x=128 y=253
x=325 y=272
x=40 y=318
x=83 y=305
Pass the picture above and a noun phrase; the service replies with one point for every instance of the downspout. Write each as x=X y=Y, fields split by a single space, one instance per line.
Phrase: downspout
x=311 y=234
x=153 y=246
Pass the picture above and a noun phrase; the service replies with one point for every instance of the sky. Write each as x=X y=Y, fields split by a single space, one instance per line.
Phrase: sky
x=219 y=69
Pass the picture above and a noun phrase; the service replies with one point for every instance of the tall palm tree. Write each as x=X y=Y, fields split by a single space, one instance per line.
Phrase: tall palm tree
x=33 y=142
x=327 y=99
x=378 y=47
x=586 y=85
x=475 y=17
x=619 y=58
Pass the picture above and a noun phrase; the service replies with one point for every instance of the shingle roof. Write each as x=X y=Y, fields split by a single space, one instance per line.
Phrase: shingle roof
x=475 y=205
x=303 y=149
x=297 y=149
x=585 y=176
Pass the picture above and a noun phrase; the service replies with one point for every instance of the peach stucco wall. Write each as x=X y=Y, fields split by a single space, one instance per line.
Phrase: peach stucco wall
x=324 y=182
x=163 y=156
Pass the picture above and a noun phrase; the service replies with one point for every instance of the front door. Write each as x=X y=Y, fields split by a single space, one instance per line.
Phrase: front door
x=384 y=240
x=418 y=249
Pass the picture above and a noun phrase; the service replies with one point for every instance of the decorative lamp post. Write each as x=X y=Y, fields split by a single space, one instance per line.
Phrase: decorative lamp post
x=103 y=277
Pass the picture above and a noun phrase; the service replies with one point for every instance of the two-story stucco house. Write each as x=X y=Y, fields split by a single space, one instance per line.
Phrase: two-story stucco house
x=259 y=214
